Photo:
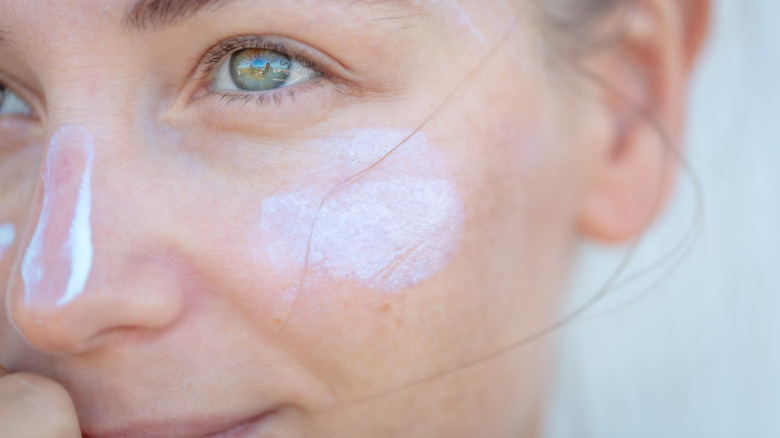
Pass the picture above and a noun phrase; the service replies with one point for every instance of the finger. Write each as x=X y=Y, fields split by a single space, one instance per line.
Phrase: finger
x=32 y=406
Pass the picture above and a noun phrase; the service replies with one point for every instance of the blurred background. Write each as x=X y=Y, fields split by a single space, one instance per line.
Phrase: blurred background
x=687 y=343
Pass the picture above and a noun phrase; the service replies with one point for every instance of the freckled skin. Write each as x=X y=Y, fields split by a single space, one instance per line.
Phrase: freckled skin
x=448 y=250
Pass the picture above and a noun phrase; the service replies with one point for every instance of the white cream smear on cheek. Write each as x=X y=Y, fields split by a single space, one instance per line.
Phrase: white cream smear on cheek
x=389 y=229
x=7 y=237
x=58 y=260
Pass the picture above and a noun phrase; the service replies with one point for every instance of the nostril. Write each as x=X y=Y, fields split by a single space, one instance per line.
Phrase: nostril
x=48 y=328
x=58 y=260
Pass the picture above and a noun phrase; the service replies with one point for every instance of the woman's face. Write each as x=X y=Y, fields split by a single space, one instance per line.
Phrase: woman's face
x=320 y=215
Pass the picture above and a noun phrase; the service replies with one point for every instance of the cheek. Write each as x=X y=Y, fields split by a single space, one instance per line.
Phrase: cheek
x=378 y=224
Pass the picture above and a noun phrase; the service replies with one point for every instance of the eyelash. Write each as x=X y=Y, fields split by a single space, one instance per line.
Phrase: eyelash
x=222 y=51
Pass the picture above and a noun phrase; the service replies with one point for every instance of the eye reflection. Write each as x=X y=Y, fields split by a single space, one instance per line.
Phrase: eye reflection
x=256 y=69
x=260 y=69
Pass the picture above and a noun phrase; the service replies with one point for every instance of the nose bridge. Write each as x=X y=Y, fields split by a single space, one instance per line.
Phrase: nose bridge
x=57 y=263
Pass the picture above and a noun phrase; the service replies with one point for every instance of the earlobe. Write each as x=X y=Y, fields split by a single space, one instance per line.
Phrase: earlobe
x=642 y=89
x=634 y=181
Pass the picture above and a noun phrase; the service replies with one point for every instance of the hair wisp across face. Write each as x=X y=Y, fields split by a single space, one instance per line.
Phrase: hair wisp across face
x=58 y=260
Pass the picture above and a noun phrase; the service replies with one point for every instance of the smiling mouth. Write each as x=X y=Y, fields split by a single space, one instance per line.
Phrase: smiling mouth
x=255 y=427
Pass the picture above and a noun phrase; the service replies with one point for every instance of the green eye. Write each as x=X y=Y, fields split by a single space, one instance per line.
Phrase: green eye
x=260 y=70
x=12 y=104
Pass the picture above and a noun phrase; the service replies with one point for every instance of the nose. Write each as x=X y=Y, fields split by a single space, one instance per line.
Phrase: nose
x=71 y=287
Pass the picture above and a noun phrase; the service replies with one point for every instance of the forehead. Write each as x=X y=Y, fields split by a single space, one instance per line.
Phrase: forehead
x=43 y=17
x=178 y=8
x=54 y=22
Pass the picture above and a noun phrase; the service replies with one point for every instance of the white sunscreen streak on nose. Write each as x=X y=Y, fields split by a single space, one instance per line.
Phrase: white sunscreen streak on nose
x=58 y=260
x=7 y=237
x=387 y=231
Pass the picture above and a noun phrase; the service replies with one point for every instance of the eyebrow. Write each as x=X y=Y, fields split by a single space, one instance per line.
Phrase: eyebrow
x=4 y=41
x=154 y=14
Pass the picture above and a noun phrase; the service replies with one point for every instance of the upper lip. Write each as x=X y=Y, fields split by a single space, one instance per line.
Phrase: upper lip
x=202 y=427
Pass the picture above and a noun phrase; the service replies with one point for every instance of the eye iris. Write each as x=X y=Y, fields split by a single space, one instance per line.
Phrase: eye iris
x=259 y=69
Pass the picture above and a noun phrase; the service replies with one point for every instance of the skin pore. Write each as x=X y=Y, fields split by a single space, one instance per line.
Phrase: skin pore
x=314 y=260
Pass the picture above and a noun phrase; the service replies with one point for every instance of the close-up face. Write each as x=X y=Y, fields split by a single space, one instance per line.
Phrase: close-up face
x=296 y=219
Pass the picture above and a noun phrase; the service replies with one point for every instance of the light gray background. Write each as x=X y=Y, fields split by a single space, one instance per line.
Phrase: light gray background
x=697 y=354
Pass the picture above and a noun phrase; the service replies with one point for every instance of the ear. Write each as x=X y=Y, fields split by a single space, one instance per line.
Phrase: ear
x=643 y=95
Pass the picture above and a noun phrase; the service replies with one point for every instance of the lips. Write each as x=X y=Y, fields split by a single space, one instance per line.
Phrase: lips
x=221 y=428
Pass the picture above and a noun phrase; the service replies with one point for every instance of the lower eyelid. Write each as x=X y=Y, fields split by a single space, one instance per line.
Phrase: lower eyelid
x=267 y=114
x=278 y=96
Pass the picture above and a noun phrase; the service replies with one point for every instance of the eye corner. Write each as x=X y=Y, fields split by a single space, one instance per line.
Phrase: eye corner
x=16 y=103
